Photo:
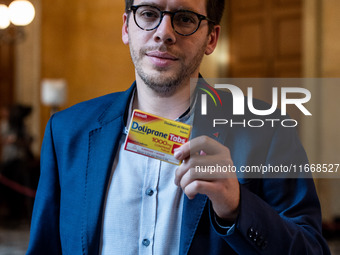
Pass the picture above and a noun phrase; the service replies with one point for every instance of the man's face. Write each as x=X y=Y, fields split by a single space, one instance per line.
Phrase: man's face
x=163 y=59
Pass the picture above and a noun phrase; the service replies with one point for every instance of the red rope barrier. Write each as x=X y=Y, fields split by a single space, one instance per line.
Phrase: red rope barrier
x=17 y=187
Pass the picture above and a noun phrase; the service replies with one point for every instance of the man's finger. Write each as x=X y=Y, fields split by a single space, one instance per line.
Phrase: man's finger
x=198 y=186
x=197 y=145
x=185 y=180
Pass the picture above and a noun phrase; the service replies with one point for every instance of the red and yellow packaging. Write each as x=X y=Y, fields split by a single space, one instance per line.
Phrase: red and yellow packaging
x=156 y=137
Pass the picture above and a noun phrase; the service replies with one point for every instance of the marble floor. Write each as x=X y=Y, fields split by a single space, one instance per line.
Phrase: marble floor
x=334 y=246
x=14 y=241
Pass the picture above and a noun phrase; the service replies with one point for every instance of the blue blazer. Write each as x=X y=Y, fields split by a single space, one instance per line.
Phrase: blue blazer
x=277 y=216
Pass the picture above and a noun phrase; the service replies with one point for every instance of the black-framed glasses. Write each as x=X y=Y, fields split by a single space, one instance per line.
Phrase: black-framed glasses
x=148 y=17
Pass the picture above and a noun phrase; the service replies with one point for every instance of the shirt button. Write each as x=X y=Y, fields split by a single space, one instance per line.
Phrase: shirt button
x=149 y=192
x=146 y=242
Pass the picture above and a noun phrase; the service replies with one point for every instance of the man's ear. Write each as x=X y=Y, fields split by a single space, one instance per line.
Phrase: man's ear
x=213 y=38
x=125 y=30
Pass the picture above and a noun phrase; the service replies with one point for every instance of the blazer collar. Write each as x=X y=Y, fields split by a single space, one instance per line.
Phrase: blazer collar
x=118 y=107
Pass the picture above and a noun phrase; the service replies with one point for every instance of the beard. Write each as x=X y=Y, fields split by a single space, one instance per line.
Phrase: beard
x=164 y=81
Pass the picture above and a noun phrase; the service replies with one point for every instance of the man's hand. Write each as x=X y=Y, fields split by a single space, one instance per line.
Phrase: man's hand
x=222 y=188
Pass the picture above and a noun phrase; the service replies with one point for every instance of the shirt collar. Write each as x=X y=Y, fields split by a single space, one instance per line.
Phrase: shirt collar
x=183 y=118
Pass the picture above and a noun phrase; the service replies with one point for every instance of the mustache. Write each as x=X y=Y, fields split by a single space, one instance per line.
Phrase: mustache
x=161 y=48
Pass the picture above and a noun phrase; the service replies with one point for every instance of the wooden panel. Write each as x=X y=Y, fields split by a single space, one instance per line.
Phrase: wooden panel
x=6 y=70
x=287 y=37
x=248 y=39
x=6 y=2
x=6 y=74
x=247 y=5
x=286 y=69
x=288 y=3
x=265 y=41
x=250 y=31
x=81 y=42
x=85 y=47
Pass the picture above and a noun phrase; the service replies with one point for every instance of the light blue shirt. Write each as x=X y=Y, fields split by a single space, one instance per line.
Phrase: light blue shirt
x=143 y=206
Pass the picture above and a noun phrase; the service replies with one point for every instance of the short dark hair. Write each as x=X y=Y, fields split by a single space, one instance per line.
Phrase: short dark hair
x=215 y=10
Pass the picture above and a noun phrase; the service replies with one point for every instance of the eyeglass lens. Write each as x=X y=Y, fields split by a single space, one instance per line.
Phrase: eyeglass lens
x=184 y=22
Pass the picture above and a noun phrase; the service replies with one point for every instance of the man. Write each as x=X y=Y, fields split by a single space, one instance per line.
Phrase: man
x=96 y=198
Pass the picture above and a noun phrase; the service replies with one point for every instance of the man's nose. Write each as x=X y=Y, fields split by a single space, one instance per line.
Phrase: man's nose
x=165 y=31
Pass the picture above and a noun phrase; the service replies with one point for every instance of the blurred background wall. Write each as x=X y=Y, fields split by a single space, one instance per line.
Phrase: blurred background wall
x=327 y=62
x=80 y=41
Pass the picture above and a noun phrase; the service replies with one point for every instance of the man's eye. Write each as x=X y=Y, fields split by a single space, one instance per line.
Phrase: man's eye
x=149 y=14
x=186 y=19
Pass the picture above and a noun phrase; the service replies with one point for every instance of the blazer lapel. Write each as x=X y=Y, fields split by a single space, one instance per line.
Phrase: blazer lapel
x=103 y=143
x=192 y=212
